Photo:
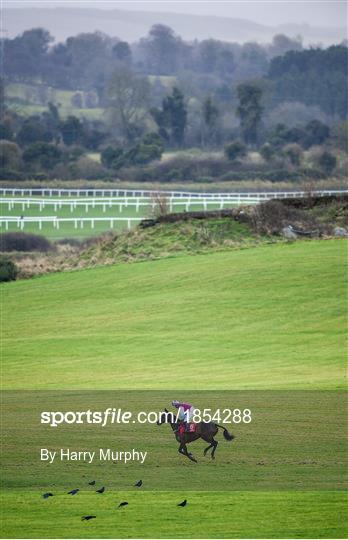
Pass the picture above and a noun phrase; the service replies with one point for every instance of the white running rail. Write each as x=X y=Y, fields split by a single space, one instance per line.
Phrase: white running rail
x=56 y=221
x=123 y=202
x=87 y=192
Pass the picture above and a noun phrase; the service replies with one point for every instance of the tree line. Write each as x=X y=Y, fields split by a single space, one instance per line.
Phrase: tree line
x=163 y=93
x=87 y=62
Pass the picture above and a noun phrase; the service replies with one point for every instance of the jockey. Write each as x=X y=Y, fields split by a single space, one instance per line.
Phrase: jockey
x=185 y=412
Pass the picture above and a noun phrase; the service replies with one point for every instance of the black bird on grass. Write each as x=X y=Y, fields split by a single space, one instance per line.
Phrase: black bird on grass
x=124 y=503
x=91 y=483
x=101 y=490
x=139 y=483
x=87 y=518
x=183 y=503
x=73 y=491
x=46 y=495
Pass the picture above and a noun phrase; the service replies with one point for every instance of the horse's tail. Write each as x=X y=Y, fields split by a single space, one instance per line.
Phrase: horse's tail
x=228 y=436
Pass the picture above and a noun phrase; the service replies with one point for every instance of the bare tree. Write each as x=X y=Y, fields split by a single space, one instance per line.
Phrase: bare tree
x=159 y=204
x=128 y=96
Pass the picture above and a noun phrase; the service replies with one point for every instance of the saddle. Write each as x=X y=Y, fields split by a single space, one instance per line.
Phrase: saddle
x=187 y=428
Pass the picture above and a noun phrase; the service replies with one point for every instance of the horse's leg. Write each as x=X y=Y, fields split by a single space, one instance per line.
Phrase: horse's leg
x=214 y=444
x=181 y=449
x=207 y=439
x=206 y=449
x=187 y=453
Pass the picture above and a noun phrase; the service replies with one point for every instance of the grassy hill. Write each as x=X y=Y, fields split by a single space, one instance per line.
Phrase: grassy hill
x=235 y=314
x=268 y=319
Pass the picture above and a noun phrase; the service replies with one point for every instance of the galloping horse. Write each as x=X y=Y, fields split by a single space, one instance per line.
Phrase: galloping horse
x=204 y=430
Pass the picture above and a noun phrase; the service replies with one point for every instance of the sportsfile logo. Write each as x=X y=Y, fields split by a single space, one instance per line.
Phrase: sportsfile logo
x=113 y=415
x=108 y=416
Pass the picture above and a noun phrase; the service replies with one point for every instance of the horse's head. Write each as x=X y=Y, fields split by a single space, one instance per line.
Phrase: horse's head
x=166 y=417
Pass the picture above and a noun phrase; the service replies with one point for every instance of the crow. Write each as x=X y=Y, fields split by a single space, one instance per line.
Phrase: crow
x=91 y=483
x=183 y=503
x=46 y=495
x=139 y=483
x=73 y=491
x=124 y=503
x=87 y=518
x=101 y=490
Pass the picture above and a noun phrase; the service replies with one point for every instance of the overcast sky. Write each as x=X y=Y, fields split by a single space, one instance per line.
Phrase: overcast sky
x=272 y=12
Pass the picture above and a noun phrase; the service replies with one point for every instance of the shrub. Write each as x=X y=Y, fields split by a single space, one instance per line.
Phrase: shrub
x=327 y=162
x=19 y=241
x=144 y=153
x=271 y=216
x=10 y=155
x=281 y=175
x=267 y=152
x=5 y=131
x=340 y=136
x=113 y=158
x=313 y=174
x=173 y=174
x=8 y=269
x=294 y=153
x=153 y=138
x=45 y=154
x=88 y=168
x=9 y=174
x=235 y=150
x=77 y=100
x=316 y=133
x=39 y=176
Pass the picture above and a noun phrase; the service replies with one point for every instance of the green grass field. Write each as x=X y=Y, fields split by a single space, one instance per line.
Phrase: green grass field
x=155 y=515
x=26 y=100
x=271 y=317
x=266 y=318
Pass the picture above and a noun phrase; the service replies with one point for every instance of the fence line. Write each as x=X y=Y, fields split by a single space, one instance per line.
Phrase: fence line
x=148 y=193
x=21 y=221
x=123 y=202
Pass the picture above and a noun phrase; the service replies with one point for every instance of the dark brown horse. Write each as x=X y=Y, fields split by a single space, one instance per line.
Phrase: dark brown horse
x=204 y=430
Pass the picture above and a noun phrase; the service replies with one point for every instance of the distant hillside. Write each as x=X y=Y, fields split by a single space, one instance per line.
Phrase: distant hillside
x=131 y=25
